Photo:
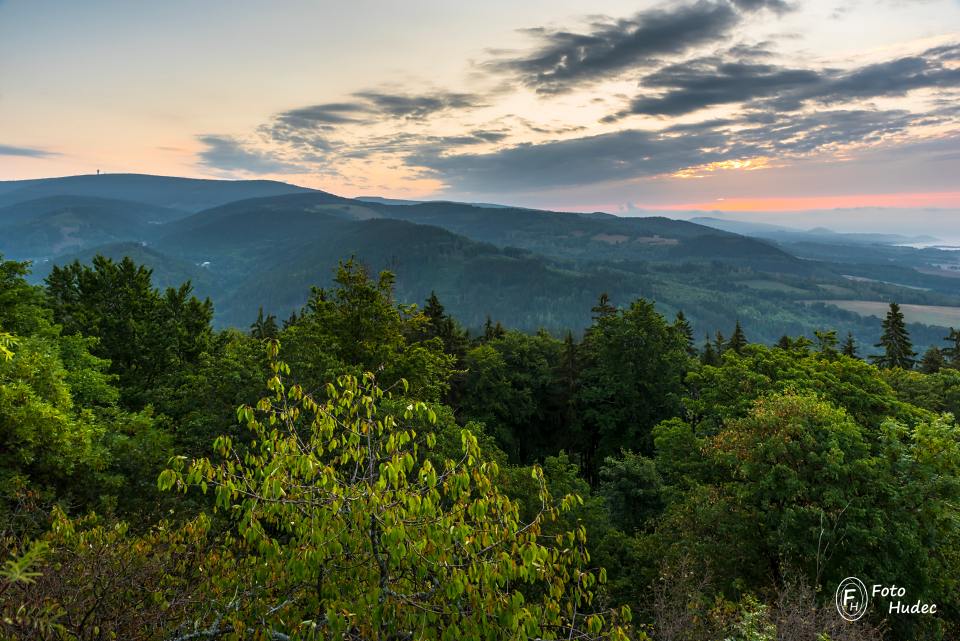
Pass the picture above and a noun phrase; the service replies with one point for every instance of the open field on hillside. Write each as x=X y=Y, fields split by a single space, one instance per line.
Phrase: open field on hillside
x=926 y=314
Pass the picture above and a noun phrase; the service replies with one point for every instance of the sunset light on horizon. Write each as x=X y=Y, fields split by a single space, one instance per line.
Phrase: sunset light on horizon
x=729 y=105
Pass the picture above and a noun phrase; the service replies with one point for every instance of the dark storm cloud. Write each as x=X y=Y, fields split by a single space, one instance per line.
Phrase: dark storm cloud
x=228 y=154
x=26 y=152
x=688 y=86
x=567 y=59
x=630 y=154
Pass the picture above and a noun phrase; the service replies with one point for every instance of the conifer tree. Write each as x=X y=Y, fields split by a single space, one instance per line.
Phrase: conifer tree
x=827 y=342
x=443 y=326
x=849 y=346
x=683 y=326
x=719 y=344
x=264 y=326
x=709 y=356
x=493 y=331
x=932 y=361
x=951 y=354
x=738 y=340
x=895 y=341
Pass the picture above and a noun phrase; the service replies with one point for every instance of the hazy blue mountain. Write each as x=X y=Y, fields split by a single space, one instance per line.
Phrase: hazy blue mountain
x=397 y=201
x=47 y=227
x=31 y=209
x=783 y=234
x=186 y=194
x=526 y=268
x=594 y=236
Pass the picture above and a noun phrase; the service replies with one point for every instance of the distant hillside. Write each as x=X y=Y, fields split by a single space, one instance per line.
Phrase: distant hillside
x=597 y=236
x=185 y=194
x=167 y=270
x=266 y=243
x=47 y=227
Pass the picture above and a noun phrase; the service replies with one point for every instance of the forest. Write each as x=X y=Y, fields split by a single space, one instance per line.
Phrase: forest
x=369 y=469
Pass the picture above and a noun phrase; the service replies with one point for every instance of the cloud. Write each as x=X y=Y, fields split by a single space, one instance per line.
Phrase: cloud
x=718 y=80
x=708 y=81
x=323 y=114
x=602 y=158
x=892 y=78
x=417 y=107
x=371 y=105
x=316 y=127
x=631 y=153
x=226 y=153
x=567 y=59
x=26 y=152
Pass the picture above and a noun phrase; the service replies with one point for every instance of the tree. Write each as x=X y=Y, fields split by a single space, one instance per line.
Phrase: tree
x=952 y=353
x=849 y=346
x=827 y=342
x=634 y=364
x=443 y=326
x=895 y=341
x=351 y=532
x=717 y=394
x=719 y=344
x=6 y=342
x=738 y=340
x=520 y=387
x=147 y=335
x=23 y=310
x=932 y=361
x=709 y=356
x=797 y=486
x=633 y=490
x=603 y=308
x=492 y=331
x=683 y=326
x=357 y=327
x=264 y=326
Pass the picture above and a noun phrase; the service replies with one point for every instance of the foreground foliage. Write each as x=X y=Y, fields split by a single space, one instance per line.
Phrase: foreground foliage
x=397 y=480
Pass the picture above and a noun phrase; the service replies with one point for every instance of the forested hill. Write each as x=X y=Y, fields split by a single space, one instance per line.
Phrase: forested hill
x=184 y=194
x=247 y=244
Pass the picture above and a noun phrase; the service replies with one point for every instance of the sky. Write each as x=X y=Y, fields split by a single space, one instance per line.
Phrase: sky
x=626 y=107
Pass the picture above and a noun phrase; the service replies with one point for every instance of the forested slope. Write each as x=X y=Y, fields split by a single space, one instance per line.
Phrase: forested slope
x=366 y=469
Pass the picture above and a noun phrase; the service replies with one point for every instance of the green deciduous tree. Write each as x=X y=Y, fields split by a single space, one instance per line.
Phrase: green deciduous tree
x=148 y=336
x=358 y=327
x=353 y=533
x=632 y=378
